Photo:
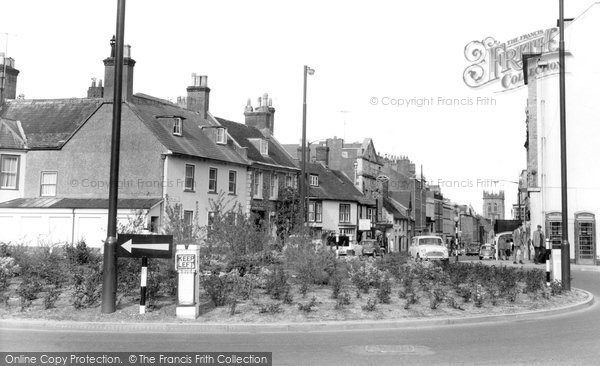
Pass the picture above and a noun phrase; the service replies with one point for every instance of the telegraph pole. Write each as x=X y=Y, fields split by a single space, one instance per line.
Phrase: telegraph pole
x=565 y=249
x=109 y=280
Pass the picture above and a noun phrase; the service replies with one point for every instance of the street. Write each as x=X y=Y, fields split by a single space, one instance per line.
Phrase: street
x=563 y=339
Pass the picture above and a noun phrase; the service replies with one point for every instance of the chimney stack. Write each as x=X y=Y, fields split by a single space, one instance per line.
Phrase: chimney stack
x=8 y=79
x=95 y=91
x=261 y=117
x=109 y=73
x=198 y=95
x=322 y=154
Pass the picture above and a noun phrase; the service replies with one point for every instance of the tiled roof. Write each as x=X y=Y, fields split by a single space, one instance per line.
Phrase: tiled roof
x=333 y=185
x=395 y=208
x=292 y=150
x=11 y=136
x=49 y=123
x=158 y=115
x=99 y=203
x=243 y=133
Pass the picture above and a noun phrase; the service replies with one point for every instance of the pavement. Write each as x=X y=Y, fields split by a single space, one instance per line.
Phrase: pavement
x=195 y=326
x=527 y=264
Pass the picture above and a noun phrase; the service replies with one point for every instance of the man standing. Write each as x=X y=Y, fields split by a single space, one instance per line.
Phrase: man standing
x=538 y=244
x=518 y=242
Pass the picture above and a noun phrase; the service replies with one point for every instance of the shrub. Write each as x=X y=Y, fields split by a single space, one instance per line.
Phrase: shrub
x=277 y=283
x=371 y=305
x=393 y=264
x=28 y=291
x=411 y=298
x=534 y=280
x=128 y=275
x=311 y=263
x=50 y=298
x=385 y=290
x=364 y=274
x=272 y=308
x=79 y=254
x=342 y=300
x=8 y=268
x=478 y=297
x=556 y=288
x=86 y=286
x=436 y=297
x=288 y=298
x=465 y=292
x=218 y=288
x=452 y=303
x=308 y=307
x=336 y=285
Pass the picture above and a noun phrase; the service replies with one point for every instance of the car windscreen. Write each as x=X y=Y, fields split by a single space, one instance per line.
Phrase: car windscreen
x=430 y=241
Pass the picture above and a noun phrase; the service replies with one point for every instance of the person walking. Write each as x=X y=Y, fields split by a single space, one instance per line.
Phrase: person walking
x=538 y=244
x=518 y=243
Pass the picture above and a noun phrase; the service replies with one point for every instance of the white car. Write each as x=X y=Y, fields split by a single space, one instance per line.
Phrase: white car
x=428 y=247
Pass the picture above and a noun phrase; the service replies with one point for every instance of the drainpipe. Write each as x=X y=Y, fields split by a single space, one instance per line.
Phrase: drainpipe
x=73 y=227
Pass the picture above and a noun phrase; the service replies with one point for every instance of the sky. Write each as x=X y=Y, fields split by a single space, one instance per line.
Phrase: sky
x=375 y=60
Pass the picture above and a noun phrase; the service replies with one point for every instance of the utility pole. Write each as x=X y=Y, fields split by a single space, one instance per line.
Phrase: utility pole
x=109 y=280
x=303 y=180
x=565 y=249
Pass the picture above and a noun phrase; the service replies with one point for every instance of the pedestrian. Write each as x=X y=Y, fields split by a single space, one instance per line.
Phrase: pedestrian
x=518 y=244
x=501 y=249
x=509 y=248
x=538 y=244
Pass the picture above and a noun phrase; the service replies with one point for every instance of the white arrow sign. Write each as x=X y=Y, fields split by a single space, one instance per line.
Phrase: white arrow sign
x=128 y=245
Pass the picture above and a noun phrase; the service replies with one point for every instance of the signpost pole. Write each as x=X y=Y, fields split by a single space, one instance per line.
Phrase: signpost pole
x=143 y=279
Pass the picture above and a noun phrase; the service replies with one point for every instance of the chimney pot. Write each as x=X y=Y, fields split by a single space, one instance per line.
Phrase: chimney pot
x=198 y=95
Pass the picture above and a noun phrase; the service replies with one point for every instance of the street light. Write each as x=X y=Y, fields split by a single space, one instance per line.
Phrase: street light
x=304 y=187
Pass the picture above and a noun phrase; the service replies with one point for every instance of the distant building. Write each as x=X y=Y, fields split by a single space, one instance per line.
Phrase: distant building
x=493 y=205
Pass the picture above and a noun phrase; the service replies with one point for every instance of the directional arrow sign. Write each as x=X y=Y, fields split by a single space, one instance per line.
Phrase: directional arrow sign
x=151 y=246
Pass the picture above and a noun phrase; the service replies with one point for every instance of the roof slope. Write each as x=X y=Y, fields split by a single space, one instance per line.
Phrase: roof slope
x=91 y=203
x=11 y=135
x=243 y=133
x=50 y=123
x=158 y=115
x=334 y=185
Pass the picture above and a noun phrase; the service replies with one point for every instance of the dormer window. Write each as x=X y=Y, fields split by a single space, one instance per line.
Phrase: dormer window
x=264 y=147
x=221 y=136
x=177 y=126
x=314 y=180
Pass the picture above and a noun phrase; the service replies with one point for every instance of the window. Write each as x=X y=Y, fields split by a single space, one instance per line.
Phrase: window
x=48 y=186
x=318 y=211
x=347 y=232
x=371 y=213
x=344 y=212
x=9 y=172
x=314 y=180
x=257 y=182
x=232 y=181
x=177 y=126
x=273 y=186
x=315 y=211
x=189 y=177
x=288 y=181
x=264 y=147
x=212 y=180
x=221 y=135
x=495 y=207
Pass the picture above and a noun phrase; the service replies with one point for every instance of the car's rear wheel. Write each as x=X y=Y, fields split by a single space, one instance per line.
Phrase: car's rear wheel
x=480 y=258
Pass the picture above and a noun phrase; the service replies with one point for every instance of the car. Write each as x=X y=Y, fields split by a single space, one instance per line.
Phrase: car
x=472 y=249
x=487 y=251
x=371 y=247
x=428 y=247
x=341 y=244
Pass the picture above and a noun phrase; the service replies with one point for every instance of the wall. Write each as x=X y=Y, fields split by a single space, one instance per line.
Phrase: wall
x=83 y=164
x=10 y=194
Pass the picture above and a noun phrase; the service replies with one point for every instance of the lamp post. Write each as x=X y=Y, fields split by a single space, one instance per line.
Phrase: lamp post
x=565 y=249
x=304 y=186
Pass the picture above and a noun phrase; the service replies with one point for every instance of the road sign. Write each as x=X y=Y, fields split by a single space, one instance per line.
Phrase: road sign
x=150 y=246
x=186 y=262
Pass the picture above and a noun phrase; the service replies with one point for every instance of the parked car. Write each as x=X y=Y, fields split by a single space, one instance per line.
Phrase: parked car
x=428 y=247
x=472 y=249
x=487 y=251
x=371 y=247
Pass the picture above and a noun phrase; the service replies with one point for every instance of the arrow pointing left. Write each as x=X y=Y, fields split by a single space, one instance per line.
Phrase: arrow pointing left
x=128 y=246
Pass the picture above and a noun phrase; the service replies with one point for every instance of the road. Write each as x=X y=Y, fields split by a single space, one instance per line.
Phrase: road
x=572 y=338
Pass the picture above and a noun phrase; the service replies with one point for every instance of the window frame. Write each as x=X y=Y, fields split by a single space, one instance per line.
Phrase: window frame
x=314 y=180
x=18 y=158
x=273 y=186
x=177 y=126
x=42 y=184
x=215 y=179
x=342 y=213
x=257 y=184
x=264 y=147
x=221 y=136
x=187 y=188
x=234 y=182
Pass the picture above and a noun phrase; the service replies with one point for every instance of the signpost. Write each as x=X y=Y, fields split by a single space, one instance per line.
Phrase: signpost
x=144 y=246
